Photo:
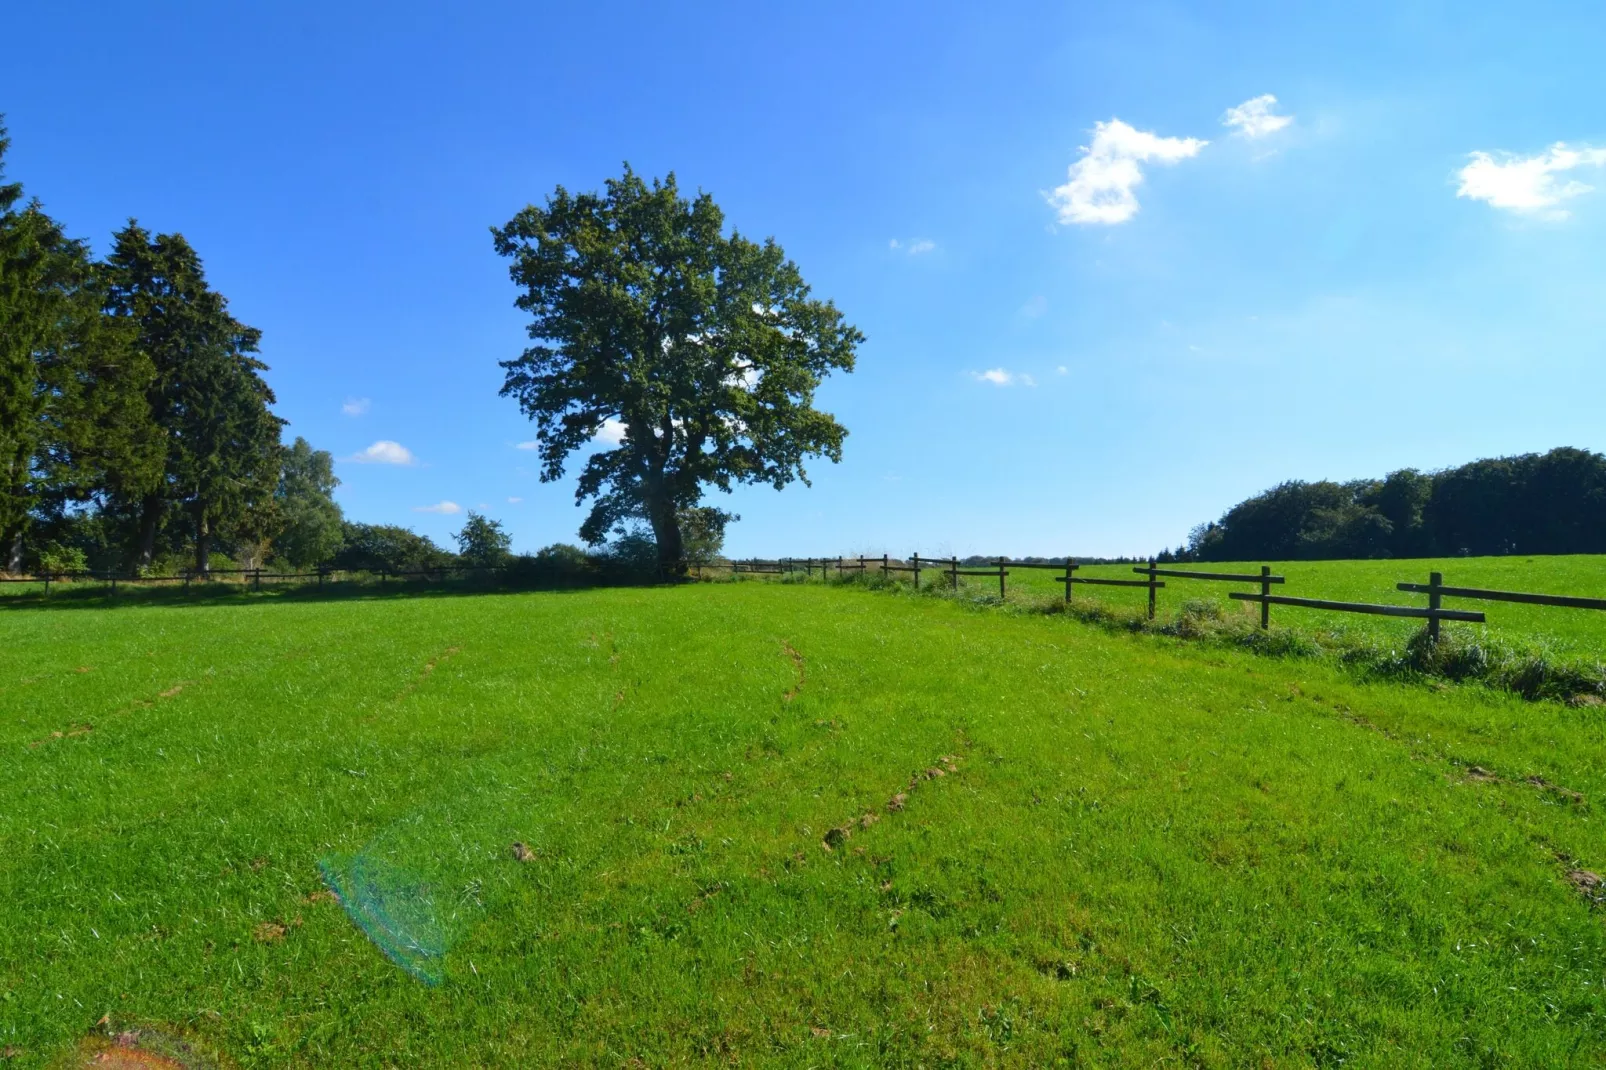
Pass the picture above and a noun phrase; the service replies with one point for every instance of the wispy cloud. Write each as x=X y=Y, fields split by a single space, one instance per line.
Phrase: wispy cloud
x=1101 y=184
x=1254 y=118
x=383 y=452
x=1003 y=377
x=356 y=406
x=531 y=445
x=514 y=501
x=1530 y=184
x=444 y=508
x=914 y=248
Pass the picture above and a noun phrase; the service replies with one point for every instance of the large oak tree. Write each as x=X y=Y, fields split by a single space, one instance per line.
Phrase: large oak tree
x=702 y=352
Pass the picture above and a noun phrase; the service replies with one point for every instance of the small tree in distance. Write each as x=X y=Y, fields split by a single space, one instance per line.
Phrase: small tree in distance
x=700 y=353
x=482 y=542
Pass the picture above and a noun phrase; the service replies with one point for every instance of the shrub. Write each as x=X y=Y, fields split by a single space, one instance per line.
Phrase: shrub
x=55 y=559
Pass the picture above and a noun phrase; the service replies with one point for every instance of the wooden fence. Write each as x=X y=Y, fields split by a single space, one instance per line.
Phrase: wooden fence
x=1434 y=613
x=950 y=569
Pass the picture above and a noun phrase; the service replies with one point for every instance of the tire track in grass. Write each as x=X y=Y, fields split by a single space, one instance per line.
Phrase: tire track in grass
x=80 y=729
x=802 y=675
x=1588 y=884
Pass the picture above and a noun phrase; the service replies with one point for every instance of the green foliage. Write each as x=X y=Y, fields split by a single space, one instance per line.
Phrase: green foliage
x=703 y=350
x=482 y=542
x=1552 y=503
x=634 y=549
x=387 y=546
x=309 y=520
x=563 y=554
x=702 y=533
x=71 y=409
x=207 y=397
x=1142 y=852
x=56 y=560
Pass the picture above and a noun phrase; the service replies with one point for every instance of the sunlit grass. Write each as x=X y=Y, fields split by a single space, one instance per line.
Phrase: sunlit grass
x=1114 y=849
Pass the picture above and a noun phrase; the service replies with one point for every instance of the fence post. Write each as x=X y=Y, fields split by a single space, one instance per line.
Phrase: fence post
x=256 y=583
x=1070 y=573
x=953 y=573
x=884 y=559
x=1151 y=588
x=1265 y=594
x=1435 y=581
x=1001 y=561
x=917 y=572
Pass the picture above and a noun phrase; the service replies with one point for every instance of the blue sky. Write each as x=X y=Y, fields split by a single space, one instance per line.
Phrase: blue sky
x=1101 y=306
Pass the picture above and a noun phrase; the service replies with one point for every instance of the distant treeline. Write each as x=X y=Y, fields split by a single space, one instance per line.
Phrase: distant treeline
x=1551 y=503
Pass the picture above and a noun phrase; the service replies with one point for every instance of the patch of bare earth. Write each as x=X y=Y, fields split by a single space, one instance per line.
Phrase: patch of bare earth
x=835 y=837
x=137 y=1048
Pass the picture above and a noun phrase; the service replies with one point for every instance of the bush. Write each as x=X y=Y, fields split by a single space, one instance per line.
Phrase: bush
x=55 y=559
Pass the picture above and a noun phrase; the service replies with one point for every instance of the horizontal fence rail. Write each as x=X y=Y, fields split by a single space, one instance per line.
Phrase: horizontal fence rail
x=1477 y=593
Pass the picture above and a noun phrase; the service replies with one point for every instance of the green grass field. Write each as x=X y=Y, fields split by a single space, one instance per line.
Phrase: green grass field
x=788 y=825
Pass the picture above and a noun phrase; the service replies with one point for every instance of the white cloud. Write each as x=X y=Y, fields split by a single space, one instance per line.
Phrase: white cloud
x=356 y=406
x=1100 y=184
x=914 y=248
x=1528 y=183
x=1254 y=118
x=514 y=501
x=531 y=445
x=444 y=508
x=1063 y=370
x=383 y=452
x=612 y=432
x=1003 y=377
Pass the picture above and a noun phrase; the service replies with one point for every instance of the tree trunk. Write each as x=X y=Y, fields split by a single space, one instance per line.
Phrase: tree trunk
x=150 y=513
x=666 y=532
x=203 y=543
x=14 y=554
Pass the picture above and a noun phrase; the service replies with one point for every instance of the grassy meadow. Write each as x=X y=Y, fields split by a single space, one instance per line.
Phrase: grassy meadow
x=778 y=824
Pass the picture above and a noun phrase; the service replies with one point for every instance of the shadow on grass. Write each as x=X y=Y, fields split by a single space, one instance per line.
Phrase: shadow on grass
x=132 y=594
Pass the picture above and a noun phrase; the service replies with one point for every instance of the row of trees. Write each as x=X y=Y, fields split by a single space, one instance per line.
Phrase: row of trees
x=1550 y=503
x=134 y=419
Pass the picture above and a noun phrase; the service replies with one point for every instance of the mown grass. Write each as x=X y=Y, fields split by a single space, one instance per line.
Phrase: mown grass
x=1137 y=851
